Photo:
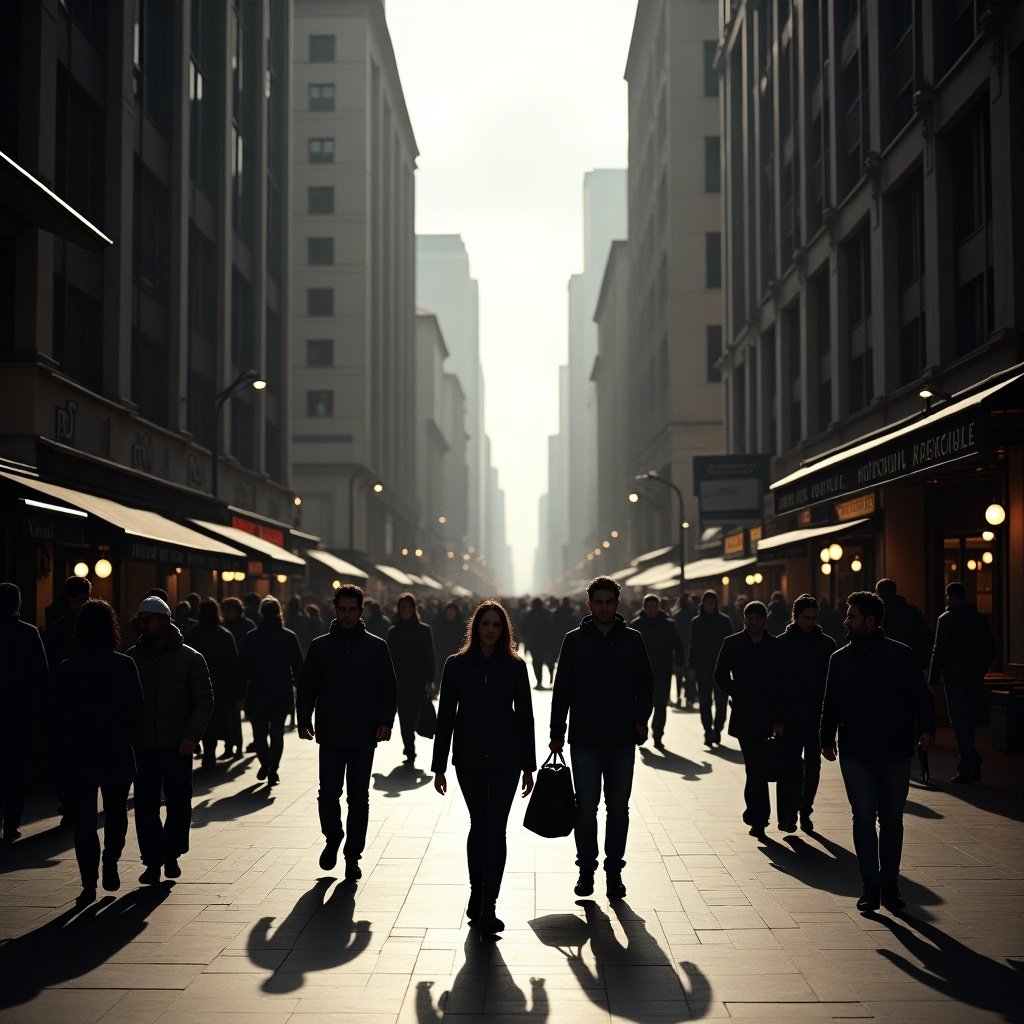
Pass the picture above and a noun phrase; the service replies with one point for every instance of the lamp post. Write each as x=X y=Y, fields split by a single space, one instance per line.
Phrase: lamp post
x=652 y=475
x=247 y=378
x=377 y=488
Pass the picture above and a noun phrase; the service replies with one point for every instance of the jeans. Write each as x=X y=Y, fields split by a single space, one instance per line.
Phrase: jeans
x=662 y=688
x=489 y=796
x=115 y=824
x=758 y=808
x=266 y=723
x=162 y=769
x=591 y=766
x=409 y=704
x=877 y=790
x=706 y=688
x=961 y=702
x=798 y=793
x=348 y=769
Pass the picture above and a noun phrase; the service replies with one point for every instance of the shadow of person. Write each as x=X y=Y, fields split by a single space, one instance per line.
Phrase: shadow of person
x=207 y=780
x=315 y=936
x=921 y=811
x=956 y=971
x=482 y=985
x=233 y=806
x=667 y=761
x=728 y=754
x=400 y=780
x=74 y=943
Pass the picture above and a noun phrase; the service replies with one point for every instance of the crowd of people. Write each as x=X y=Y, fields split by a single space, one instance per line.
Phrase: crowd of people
x=132 y=711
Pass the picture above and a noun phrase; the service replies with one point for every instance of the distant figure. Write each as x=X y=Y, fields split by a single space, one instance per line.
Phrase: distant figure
x=905 y=623
x=411 y=643
x=99 y=699
x=233 y=618
x=688 y=693
x=485 y=704
x=377 y=622
x=297 y=621
x=563 y=618
x=538 y=628
x=964 y=651
x=183 y=617
x=831 y=621
x=216 y=644
x=449 y=635
x=876 y=698
x=317 y=627
x=666 y=650
x=778 y=613
x=707 y=631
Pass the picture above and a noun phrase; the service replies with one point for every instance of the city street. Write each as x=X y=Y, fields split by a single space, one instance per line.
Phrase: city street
x=715 y=925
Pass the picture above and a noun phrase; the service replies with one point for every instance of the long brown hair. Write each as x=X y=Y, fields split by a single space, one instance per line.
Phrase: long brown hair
x=471 y=643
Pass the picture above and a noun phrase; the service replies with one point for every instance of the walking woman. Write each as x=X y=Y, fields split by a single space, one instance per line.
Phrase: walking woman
x=485 y=705
x=99 y=702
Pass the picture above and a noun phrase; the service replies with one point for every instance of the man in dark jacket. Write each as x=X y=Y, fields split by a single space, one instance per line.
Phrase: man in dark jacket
x=748 y=670
x=707 y=631
x=216 y=644
x=665 y=649
x=348 y=681
x=904 y=622
x=411 y=643
x=876 y=698
x=538 y=628
x=964 y=650
x=778 y=613
x=178 y=704
x=605 y=687
x=805 y=651
x=22 y=683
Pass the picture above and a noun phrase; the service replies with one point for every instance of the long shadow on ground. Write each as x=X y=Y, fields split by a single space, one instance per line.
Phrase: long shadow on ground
x=667 y=761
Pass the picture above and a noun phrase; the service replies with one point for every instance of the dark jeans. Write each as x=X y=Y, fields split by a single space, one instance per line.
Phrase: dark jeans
x=758 y=808
x=115 y=824
x=590 y=767
x=662 y=689
x=162 y=769
x=409 y=703
x=15 y=766
x=707 y=689
x=489 y=796
x=348 y=769
x=267 y=723
x=961 y=702
x=798 y=793
x=877 y=790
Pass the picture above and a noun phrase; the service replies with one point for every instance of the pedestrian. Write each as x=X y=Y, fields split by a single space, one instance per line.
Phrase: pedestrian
x=376 y=621
x=348 y=691
x=297 y=621
x=805 y=650
x=22 y=684
x=905 y=623
x=707 y=629
x=831 y=621
x=605 y=687
x=666 y=651
x=183 y=617
x=449 y=635
x=539 y=633
x=316 y=621
x=411 y=643
x=778 y=613
x=233 y=618
x=100 y=703
x=687 y=691
x=485 y=714
x=178 y=703
x=875 y=697
x=269 y=668
x=217 y=645
x=748 y=670
x=964 y=651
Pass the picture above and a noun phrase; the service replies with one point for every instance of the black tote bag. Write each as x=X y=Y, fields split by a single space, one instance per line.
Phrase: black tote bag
x=551 y=811
x=426 y=720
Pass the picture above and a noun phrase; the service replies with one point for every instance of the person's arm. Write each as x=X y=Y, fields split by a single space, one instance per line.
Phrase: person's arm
x=295 y=658
x=723 y=667
x=309 y=687
x=643 y=681
x=133 y=700
x=939 y=654
x=447 y=708
x=691 y=664
x=201 y=698
x=830 y=712
x=561 y=695
x=387 y=694
x=924 y=703
x=523 y=705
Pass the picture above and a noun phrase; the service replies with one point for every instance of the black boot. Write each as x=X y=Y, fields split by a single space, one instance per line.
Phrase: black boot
x=488 y=922
x=473 y=907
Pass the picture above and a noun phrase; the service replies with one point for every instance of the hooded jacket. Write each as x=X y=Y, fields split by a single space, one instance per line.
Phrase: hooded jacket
x=804 y=668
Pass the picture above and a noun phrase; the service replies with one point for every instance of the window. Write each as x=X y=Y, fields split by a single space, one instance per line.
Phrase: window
x=793 y=430
x=713 y=335
x=710 y=74
x=320 y=251
x=320 y=199
x=319 y=352
x=713 y=257
x=852 y=92
x=909 y=211
x=819 y=320
x=320 y=302
x=321 y=151
x=856 y=267
x=712 y=164
x=900 y=39
x=321 y=49
x=321 y=97
x=319 y=404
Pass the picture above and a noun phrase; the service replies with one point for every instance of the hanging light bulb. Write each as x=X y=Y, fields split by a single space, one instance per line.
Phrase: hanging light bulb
x=826 y=569
x=103 y=568
x=986 y=557
x=995 y=514
x=835 y=552
x=725 y=581
x=856 y=565
x=987 y=536
x=758 y=578
x=81 y=569
x=972 y=564
x=823 y=554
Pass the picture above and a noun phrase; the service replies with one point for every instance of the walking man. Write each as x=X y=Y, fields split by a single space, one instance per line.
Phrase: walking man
x=708 y=628
x=605 y=687
x=666 y=652
x=411 y=643
x=348 y=683
x=964 y=650
x=876 y=698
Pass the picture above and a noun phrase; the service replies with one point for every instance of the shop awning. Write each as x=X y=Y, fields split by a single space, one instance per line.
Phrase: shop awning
x=157 y=539
x=705 y=568
x=797 y=536
x=460 y=591
x=431 y=582
x=336 y=564
x=648 y=556
x=253 y=544
x=395 y=575
x=656 y=574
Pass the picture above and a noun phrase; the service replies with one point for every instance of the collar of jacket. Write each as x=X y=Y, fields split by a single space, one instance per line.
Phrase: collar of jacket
x=339 y=633
x=174 y=639
x=872 y=640
x=401 y=623
x=801 y=635
x=589 y=624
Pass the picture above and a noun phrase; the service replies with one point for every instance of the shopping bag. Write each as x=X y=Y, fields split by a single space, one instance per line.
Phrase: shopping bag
x=780 y=759
x=551 y=811
x=426 y=720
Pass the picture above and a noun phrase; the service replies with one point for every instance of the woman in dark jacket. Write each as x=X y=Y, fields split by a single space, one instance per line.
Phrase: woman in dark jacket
x=216 y=644
x=485 y=705
x=99 y=702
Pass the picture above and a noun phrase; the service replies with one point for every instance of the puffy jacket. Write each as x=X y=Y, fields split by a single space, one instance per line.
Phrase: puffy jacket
x=177 y=692
x=270 y=666
x=706 y=635
x=411 y=643
x=486 y=704
x=804 y=668
x=604 y=686
x=750 y=673
x=349 y=682
x=663 y=642
x=964 y=648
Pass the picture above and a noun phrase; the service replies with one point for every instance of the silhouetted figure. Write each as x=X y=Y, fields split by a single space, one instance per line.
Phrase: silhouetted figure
x=538 y=627
x=708 y=628
x=233 y=618
x=778 y=613
x=665 y=650
x=449 y=635
x=216 y=644
x=905 y=623
x=298 y=622
x=317 y=626
x=831 y=621
x=411 y=643
x=376 y=621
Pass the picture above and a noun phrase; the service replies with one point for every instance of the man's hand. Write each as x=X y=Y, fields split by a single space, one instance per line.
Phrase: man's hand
x=306 y=732
x=829 y=753
x=527 y=783
x=925 y=742
x=186 y=746
x=383 y=733
x=555 y=746
x=441 y=783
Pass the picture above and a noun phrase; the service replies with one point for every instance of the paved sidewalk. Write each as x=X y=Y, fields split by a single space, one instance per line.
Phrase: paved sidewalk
x=716 y=924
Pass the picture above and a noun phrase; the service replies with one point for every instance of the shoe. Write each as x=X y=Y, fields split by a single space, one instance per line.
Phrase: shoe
x=172 y=869
x=585 y=884
x=151 y=875
x=473 y=907
x=659 y=744
x=262 y=773
x=614 y=886
x=11 y=834
x=353 y=872
x=86 y=896
x=718 y=737
x=538 y=687
x=111 y=879
x=330 y=855
x=757 y=831
x=788 y=826
x=273 y=779
x=207 y=766
x=892 y=900
x=870 y=899
x=709 y=740
x=488 y=923
x=964 y=779
x=806 y=825
x=225 y=754
x=250 y=748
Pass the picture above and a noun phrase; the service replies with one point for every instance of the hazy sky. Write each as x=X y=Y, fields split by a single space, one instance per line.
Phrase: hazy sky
x=512 y=101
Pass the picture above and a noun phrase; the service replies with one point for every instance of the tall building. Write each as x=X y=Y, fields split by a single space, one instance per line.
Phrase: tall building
x=874 y=204
x=353 y=319
x=165 y=125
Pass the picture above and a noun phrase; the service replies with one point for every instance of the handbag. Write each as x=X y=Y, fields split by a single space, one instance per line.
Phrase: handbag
x=780 y=758
x=551 y=811
x=426 y=720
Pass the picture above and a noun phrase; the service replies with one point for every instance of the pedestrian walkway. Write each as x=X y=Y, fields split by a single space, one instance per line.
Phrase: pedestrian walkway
x=716 y=925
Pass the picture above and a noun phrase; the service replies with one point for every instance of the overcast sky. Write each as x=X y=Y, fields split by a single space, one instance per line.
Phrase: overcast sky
x=512 y=101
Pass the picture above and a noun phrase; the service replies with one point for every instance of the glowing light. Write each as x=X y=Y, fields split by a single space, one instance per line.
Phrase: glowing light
x=995 y=514
x=835 y=552
x=758 y=578
x=615 y=534
x=750 y=580
x=987 y=536
x=281 y=578
x=972 y=564
x=378 y=487
x=826 y=569
x=418 y=552
x=986 y=557
x=442 y=520
x=823 y=554
x=103 y=568
x=336 y=584
x=259 y=385
x=296 y=501
x=81 y=569
x=856 y=565
x=725 y=581
x=952 y=566
x=405 y=551
x=633 y=497
x=606 y=543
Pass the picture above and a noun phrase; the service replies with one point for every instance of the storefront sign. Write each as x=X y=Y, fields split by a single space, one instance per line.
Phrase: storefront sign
x=734 y=543
x=754 y=534
x=730 y=487
x=138 y=550
x=855 y=508
x=259 y=530
x=56 y=531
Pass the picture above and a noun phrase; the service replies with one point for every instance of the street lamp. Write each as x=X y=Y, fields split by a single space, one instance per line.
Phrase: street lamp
x=247 y=378
x=652 y=475
x=377 y=487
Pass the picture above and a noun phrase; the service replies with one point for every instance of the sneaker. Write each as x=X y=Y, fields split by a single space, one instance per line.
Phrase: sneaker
x=585 y=884
x=330 y=855
x=614 y=886
x=111 y=879
x=172 y=869
x=353 y=872
x=892 y=900
x=787 y=826
x=262 y=773
x=870 y=899
x=151 y=875
x=11 y=835
x=273 y=779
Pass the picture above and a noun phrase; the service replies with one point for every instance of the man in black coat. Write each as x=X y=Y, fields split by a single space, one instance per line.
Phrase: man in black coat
x=665 y=649
x=876 y=698
x=708 y=629
x=605 y=687
x=348 y=682
x=411 y=643
x=964 y=650
x=904 y=622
